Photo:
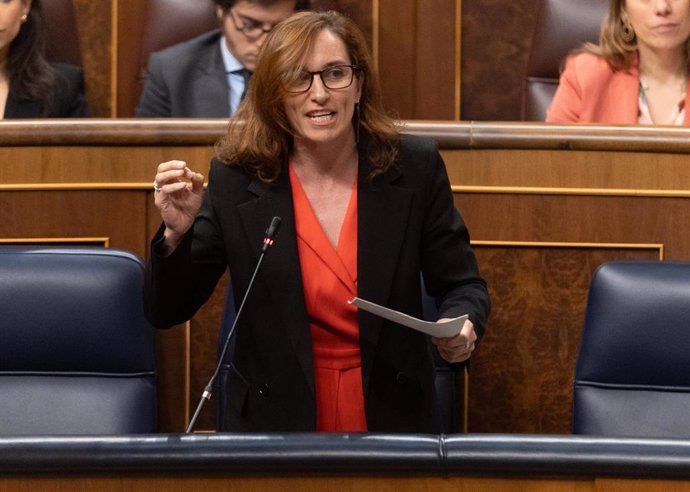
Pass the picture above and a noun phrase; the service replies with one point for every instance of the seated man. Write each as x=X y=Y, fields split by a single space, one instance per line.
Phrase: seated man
x=206 y=76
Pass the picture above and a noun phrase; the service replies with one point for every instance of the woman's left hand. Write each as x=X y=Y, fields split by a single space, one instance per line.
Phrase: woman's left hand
x=458 y=348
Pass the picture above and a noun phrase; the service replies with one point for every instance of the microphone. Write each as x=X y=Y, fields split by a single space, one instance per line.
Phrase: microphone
x=267 y=242
x=271 y=232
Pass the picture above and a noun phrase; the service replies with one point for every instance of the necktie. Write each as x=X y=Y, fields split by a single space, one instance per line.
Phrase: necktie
x=246 y=75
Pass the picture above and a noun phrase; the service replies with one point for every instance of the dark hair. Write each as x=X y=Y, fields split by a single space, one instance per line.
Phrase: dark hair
x=30 y=75
x=260 y=136
x=228 y=4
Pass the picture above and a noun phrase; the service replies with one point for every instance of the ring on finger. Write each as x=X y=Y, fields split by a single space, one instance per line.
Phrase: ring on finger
x=156 y=186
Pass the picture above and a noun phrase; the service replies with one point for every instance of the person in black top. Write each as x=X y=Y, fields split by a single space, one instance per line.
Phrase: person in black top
x=30 y=86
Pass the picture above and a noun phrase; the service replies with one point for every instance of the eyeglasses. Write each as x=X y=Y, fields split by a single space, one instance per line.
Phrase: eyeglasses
x=333 y=77
x=251 y=28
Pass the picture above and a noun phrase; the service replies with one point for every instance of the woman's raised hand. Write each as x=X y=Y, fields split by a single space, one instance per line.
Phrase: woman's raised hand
x=178 y=196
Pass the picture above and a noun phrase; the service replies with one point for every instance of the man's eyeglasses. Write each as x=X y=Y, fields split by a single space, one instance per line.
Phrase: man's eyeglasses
x=333 y=77
x=251 y=28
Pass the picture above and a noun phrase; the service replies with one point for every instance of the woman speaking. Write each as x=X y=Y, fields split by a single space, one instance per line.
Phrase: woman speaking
x=364 y=211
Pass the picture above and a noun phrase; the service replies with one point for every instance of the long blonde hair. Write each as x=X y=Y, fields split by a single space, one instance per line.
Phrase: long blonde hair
x=260 y=137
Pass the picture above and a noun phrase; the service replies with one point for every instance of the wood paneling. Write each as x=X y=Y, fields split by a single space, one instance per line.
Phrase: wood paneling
x=130 y=27
x=205 y=330
x=209 y=483
x=417 y=57
x=95 y=38
x=56 y=215
x=349 y=483
x=496 y=36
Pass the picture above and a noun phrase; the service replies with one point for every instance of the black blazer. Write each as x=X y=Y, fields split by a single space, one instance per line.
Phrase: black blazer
x=406 y=224
x=68 y=100
x=186 y=80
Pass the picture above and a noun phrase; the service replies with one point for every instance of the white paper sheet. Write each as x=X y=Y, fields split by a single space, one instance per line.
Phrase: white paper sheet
x=447 y=328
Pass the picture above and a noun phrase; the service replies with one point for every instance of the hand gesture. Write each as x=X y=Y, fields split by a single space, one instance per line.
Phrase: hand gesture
x=178 y=196
x=458 y=348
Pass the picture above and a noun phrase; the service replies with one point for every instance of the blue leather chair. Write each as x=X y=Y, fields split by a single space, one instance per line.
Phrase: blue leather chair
x=76 y=353
x=446 y=420
x=633 y=370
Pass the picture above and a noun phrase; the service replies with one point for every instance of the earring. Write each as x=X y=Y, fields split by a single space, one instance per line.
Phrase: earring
x=24 y=17
x=627 y=32
x=357 y=127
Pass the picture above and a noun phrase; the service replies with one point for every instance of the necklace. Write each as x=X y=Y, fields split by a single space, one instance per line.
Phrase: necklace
x=646 y=87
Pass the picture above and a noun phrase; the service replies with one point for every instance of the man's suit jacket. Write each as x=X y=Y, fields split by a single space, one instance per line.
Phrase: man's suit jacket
x=186 y=80
x=67 y=101
x=590 y=92
x=406 y=224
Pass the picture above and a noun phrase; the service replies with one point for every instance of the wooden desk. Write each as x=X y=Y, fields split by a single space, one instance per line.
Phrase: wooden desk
x=545 y=205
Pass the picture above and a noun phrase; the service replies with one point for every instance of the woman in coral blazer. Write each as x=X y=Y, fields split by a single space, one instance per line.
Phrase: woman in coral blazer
x=638 y=73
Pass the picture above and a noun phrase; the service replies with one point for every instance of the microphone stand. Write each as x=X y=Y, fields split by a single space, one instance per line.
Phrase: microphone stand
x=271 y=232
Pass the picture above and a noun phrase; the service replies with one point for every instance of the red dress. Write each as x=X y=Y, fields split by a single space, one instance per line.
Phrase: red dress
x=329 y=278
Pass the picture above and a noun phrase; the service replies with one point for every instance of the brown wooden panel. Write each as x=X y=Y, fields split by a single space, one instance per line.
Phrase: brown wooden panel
x=95 y=31
x=349 y=483
x=69 y=165
x=340 y=483
x=521 y=376
x=205 y=328
x=360 y=11
x=130 y=30
x=172 y=360
x=581 y=219
x=496 y=36
x=417 y=57
x=117 y=215
x=397 y=60
x=576 y=171
x=434 y=91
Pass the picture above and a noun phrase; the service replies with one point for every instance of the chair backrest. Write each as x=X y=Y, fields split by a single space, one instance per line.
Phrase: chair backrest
x=168 y=22
x=62 y=34
x=562 y=26
x=446 y=417
x=632 y=376
x=77 y=355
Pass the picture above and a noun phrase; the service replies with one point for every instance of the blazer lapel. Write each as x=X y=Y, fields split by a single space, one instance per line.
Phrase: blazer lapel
x=383 y=211
x=211 y=86
x=624 y=88
x=280 y=269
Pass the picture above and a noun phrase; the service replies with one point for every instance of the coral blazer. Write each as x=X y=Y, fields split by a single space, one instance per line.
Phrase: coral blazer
x=590 y=92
